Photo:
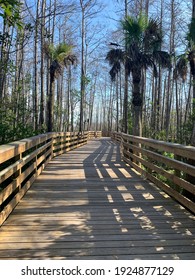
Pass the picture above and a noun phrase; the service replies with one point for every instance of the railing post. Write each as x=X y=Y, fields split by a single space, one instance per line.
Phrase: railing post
x=121 y=146
x=52 y=145
x=18 y=173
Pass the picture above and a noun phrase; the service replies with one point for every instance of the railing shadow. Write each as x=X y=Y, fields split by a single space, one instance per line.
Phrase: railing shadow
x=95 y=207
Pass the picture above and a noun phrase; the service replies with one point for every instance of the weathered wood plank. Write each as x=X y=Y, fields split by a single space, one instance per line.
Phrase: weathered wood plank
x=96 y=252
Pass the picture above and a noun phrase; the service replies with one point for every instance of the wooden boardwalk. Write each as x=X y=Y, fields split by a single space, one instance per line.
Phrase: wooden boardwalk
x=88 y=204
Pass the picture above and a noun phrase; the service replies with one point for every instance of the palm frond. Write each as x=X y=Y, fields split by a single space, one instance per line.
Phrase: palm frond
x=115 y=55
x=61 y=56
x=155 y=71
x=152 y=36
x=129 y=64
x=191 y=34
x=70 y=59
x=58 y=52
x=115 y=70
x=181 y=68
x=61 y=51
x=191 y=58
x=134 y=28
x=163 y=58
x=147 y=60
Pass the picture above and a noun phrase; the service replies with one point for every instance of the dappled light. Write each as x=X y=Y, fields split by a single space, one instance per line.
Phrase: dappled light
x=148 y=196
x=88 y=204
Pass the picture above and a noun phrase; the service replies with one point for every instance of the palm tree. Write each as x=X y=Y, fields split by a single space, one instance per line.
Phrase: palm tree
x=188 y=59
x=181 y=69
x=143 y=39
x=61 y=56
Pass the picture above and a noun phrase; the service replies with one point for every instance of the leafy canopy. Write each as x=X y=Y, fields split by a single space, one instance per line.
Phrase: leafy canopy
x=191 y=34
x=61 y=56
x=142 y=32
x=188 y=57
x=10 y=12
x=59 y=52
x=142 y=48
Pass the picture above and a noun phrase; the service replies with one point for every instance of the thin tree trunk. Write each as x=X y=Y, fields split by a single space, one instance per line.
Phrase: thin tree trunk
x=35 y=101
x=42 y=72
x=81 y=124
x=50 y=105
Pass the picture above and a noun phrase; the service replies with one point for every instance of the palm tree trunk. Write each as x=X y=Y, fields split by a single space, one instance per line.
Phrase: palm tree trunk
x=137 y=103
x=117 y=103
x=50 y=104
x=125 y=106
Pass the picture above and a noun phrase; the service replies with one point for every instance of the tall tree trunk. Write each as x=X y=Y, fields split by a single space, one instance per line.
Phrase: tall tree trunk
x=50 y=104
x=58 y=117
x=18 y=76
x=4 y=58
x=117 y=103
x=154 y=106
x=193 y=88
x=42 y=87
x=125 y=106
x=35 y=100
x=81 y=124
x=190 y=178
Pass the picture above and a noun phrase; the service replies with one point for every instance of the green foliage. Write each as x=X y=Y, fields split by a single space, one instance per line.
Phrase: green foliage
x=160 y=135
x=143 y=38
x=187 y=130
x=9 y=133
x=191 y=34
x=181 y=68
x=59 y=52
x=169 y=155
x=86 y=80
x=143 y=32
x=134 y=28
x=15 y=115
x=10 y=12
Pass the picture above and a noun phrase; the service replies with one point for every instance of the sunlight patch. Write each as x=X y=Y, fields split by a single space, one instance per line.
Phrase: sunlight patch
x=111 y=173
x=139 y=187
x=122 y=188
x=125 y=173
x=127 y=197
x=110 y=199
x=148 y=196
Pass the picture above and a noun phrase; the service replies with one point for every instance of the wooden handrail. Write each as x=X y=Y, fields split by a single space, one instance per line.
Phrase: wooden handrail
x=22 y=161
x=94 y=134
x=168 y=165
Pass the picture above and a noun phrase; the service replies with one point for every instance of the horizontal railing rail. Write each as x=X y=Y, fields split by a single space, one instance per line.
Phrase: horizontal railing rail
x=170 y=166
x=94 y=134
x=22 y=161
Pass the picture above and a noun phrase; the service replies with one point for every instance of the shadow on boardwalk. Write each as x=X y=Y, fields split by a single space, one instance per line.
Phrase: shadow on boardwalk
x=88 y=204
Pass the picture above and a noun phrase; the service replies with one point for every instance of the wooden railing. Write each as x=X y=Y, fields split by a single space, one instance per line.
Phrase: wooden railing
x=22 y=161
x=169 y=166
x=94 y=134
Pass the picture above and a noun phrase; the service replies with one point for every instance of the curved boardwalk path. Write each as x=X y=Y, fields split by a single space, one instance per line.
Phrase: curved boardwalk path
x=88 y=204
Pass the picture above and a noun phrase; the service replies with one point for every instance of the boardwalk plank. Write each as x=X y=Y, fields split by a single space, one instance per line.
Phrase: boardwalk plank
x=88 y=204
